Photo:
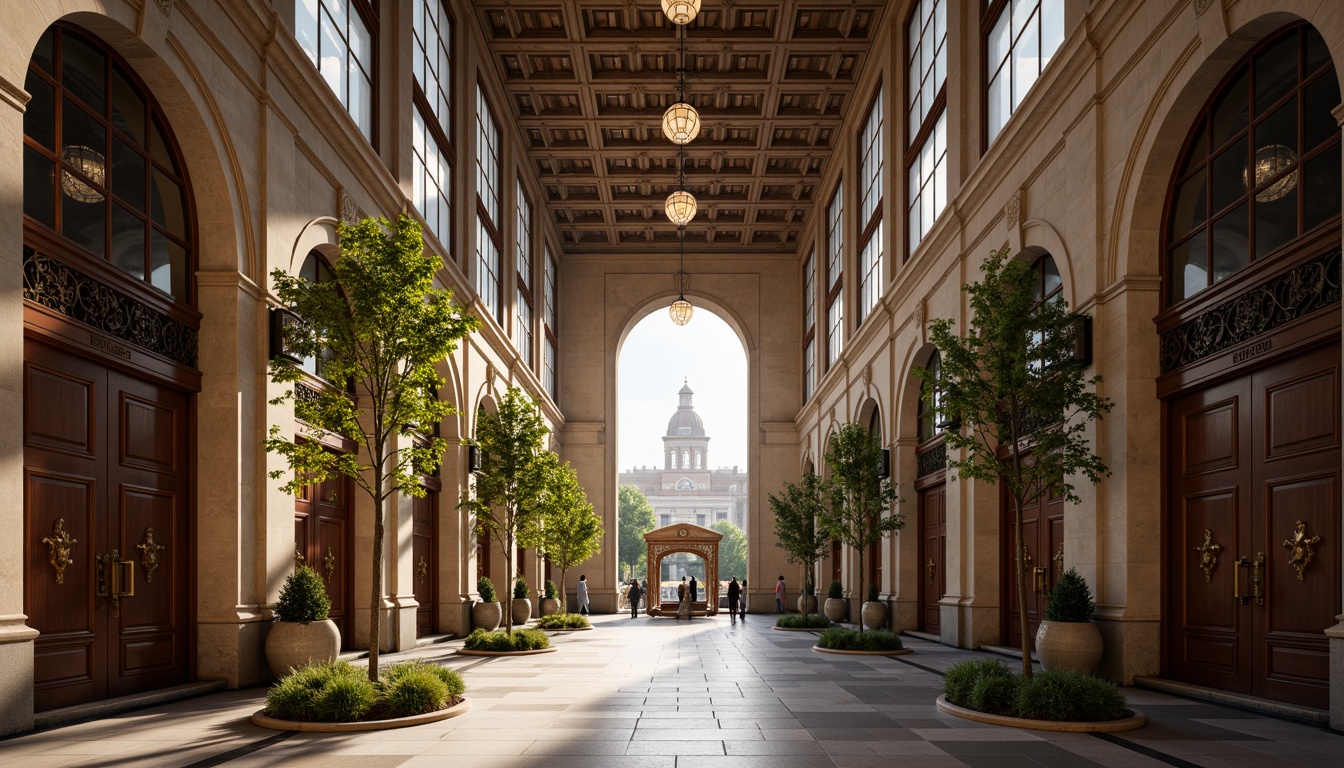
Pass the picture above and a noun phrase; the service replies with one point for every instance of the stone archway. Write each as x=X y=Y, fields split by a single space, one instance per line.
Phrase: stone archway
x=693 y=540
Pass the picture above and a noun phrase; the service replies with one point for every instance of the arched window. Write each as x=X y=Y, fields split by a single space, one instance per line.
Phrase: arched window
x=685 y=484
x=1049 y=287
x=1260 y=167
x=315 y=269
x=100 y=167
x=931 y=414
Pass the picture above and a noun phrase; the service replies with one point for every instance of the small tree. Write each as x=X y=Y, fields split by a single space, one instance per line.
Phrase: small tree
x=571 y=531
x=635 y=518
x=858 y=497
x=732 y=548
x=1014 y=383
x=380 y=327
x=800 y=526
x=511 y=481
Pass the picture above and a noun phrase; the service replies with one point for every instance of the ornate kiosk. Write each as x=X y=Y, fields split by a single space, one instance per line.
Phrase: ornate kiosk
x=691 y=539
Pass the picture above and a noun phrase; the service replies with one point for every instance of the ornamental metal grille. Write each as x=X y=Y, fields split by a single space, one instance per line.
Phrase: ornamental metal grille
x=933 y=460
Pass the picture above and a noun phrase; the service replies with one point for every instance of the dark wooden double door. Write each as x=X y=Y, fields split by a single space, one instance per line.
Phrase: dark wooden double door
x=107 y=519
x=1253 y=463
x=426 y=570
x=322 y=540
x=932 y=553
x=1043 y=537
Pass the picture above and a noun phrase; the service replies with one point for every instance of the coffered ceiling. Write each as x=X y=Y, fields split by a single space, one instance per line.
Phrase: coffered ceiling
x=588 y=81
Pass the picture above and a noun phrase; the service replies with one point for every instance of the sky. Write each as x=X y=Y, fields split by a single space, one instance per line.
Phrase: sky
x=655 y=360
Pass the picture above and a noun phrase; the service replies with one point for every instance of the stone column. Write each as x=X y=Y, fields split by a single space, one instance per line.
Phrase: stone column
x=1336 y=635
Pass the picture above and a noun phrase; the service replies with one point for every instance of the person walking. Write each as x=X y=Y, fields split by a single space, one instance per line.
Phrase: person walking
x=683 y=608
x=734 y=597
x=779 y=595
x=693 y=589
x=634 y=594
x=743 y=613
x=583 y=594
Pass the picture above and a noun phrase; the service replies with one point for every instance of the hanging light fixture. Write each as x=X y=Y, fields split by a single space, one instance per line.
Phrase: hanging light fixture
x=681 y=121
x=681 y=11
x=88 y=162
x=1269 y=161
x=681 y=205
x=681 y=309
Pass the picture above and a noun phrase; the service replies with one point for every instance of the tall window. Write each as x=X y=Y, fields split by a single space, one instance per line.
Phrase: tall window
x=487 y=208
x=1049 y=288
x=931 y=413
x=835 y=300
x=870 y=209
x=432 y=117
x=809 y=328
x=339 y=36
x=1020 y=38
x=550 y=326
x=99 y=165
x=523 y=243
x=315 y=270
x=926 y=157
x=1261 y=166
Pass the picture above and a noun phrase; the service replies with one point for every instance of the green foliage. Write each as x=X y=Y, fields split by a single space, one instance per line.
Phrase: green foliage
x=521 y=640
x=800 y=529
x=571 y=531
x=809 y=589
x=732 y=549
x=520 y=588
x=510 y=486
x=799 y=621
x=873 y=593
x=1070 y=600
x=857 y=497
x=836 y=591
x=961 y=678
x=1070 y=696
x=415 y=690
x=563 y=621
x=487 y=589
x=1012 y=380
x=381 y=327
x=303 y=598
x=341 y=692
x=996 y=695
x=635 y=519
x=450 y=679
x=345 y=699
x=846 y=639
x=550 y=589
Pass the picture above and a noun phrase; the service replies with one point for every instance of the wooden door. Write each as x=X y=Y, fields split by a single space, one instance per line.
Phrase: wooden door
x=105 y=473
x=932 y=555
x=1250 y=461
x=1043 y=535
x=426 y=569
x=322 y=539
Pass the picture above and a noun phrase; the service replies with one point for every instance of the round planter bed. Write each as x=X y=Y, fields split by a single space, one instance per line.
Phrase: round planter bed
x=898 y=652
x=568 y=629
x=1135 y=720
x=465 y=652
x=800 y=629
x=260 y=718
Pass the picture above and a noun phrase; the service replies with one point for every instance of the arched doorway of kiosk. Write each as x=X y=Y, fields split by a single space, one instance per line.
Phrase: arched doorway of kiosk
x=690 y=539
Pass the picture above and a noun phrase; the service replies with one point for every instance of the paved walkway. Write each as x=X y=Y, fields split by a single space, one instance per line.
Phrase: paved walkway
x=652 y=692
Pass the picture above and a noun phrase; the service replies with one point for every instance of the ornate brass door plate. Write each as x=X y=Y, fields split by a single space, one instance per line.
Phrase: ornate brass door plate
x=149 y=554
x=1208 y=555
x=1299 y=546
x=60 y=543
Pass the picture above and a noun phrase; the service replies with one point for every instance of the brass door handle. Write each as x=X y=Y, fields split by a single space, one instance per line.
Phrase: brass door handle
x=1238 y=564
x=116 y=577
x=932 y=568
x=1038 y=577
x=1258 y=573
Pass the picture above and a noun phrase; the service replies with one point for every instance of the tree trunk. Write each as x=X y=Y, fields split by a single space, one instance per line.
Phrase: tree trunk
x=508 y=583
x=862 y=596
x=376 y=602
x=1021 y=553
x=563 y=607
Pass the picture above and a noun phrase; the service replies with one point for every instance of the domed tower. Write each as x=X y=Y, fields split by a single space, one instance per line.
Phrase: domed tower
x=685 y=446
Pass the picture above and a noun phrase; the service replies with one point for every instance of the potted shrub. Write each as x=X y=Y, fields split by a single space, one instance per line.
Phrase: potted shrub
x=874 y=611
x=836 y=606
x=550 y=604
x=302 y=632
x=521 y=608
x=486 y=614
x=807 y=602
x=1068 y=639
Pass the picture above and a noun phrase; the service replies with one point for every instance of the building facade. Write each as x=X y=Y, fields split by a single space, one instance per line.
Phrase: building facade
x=1172 y=167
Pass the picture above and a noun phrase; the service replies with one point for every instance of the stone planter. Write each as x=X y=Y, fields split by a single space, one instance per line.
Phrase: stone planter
x=1070 y=645
x=487 y=616
x=836 y=608
x=874 y=615
x=549 y=606
x=291 y=644
x=807 y=604
x=522 y=610
x=260 y=718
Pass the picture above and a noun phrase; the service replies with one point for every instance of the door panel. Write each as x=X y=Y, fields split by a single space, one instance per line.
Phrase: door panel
x=1042 y=535
x=933 y=555
x=425 y=565
x=322 y=539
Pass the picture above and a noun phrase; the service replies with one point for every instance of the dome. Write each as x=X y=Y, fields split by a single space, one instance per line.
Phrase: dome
x=685 y=423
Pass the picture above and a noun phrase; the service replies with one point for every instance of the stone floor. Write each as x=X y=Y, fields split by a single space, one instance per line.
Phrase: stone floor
x=652 y=692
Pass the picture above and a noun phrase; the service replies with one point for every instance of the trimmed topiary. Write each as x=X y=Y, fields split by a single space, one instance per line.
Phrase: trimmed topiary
x=1070 y=600
x=520 y=588
x=836 y=591
x=303 y=598
x=873 y=593
x=523 y=640
x=563 y=621
x=798 y=621
x=845 y=639
x=550 y=590
x=960 y=678
x=487 y=590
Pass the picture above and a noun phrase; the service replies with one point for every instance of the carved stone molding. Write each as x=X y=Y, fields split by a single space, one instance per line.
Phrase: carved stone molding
x=1270 y=305
x=1202 y=5
x=166 y=6
x=349 y=212
x=1012 y=211
x=867 y=375
x=54 y=285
